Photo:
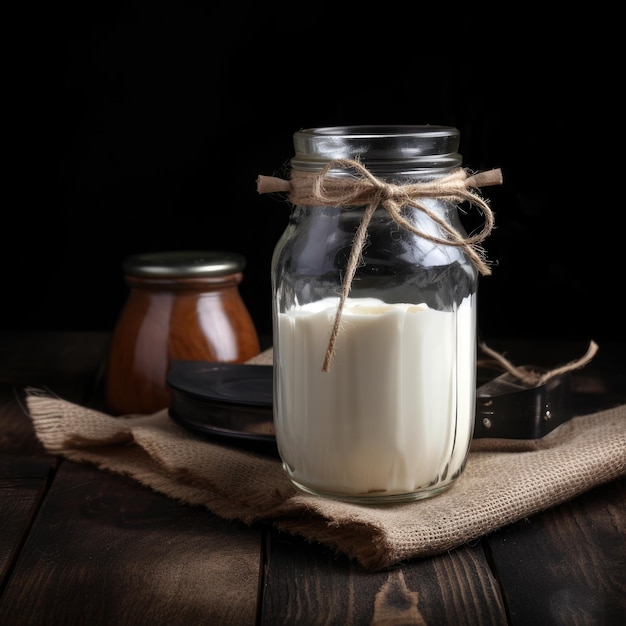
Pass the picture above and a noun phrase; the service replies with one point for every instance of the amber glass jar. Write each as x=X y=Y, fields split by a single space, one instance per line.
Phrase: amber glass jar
x=182 y=305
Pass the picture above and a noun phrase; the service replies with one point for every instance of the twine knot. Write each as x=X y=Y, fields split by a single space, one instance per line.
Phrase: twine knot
x=366 y=190
x=388 y=192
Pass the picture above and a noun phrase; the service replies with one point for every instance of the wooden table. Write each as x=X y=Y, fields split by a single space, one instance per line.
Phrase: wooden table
x=83 y=546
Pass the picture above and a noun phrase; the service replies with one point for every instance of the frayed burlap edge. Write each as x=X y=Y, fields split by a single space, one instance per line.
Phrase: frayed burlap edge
x=496 y=489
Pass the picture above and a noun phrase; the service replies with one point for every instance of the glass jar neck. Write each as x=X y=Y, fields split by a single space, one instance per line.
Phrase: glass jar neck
x=196 y=283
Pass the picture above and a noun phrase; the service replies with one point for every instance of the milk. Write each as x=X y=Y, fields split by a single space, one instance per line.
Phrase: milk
x=394 y=415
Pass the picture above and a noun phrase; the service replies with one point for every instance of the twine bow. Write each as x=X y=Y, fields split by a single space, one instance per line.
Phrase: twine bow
x=364 y=189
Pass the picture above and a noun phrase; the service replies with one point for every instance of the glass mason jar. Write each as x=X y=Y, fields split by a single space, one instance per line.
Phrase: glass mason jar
x=391 y=418
x=181 y=305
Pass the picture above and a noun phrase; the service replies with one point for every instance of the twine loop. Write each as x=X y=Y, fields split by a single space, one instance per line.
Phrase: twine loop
x=536 y=378
x=366 y=190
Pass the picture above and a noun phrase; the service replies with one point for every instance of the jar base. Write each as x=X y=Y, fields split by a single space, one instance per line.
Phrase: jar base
x=376 y=498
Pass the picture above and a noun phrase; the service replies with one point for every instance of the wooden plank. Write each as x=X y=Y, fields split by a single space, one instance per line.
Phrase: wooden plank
x=308 y=584
x=567 y=565
x=25 y=470
x=19 y=501
x=105 y=550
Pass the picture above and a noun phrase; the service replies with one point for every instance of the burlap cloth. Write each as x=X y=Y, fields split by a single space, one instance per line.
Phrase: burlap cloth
x=503 y=481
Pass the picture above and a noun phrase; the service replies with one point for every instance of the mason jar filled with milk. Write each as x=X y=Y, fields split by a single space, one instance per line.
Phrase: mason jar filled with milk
x=374 y=312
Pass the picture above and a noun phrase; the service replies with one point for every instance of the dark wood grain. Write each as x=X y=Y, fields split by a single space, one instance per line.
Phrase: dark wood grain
x=25 y=472
x=104 y=550
x=83 y=546
x=20 y=500
x=308 y=584
x=567 y=565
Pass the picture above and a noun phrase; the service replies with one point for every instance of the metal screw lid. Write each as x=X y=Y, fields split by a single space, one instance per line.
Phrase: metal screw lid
x=184 y=264
x=400 y=148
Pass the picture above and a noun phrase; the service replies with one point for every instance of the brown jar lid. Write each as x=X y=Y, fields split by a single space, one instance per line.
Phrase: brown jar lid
x=184 y=264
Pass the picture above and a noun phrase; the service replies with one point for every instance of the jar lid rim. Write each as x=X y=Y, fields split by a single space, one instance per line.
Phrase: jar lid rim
x=184 y=263
x=400 y=147
x=382 y=130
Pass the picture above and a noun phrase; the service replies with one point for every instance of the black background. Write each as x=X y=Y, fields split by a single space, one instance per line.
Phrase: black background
x=142 y=126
